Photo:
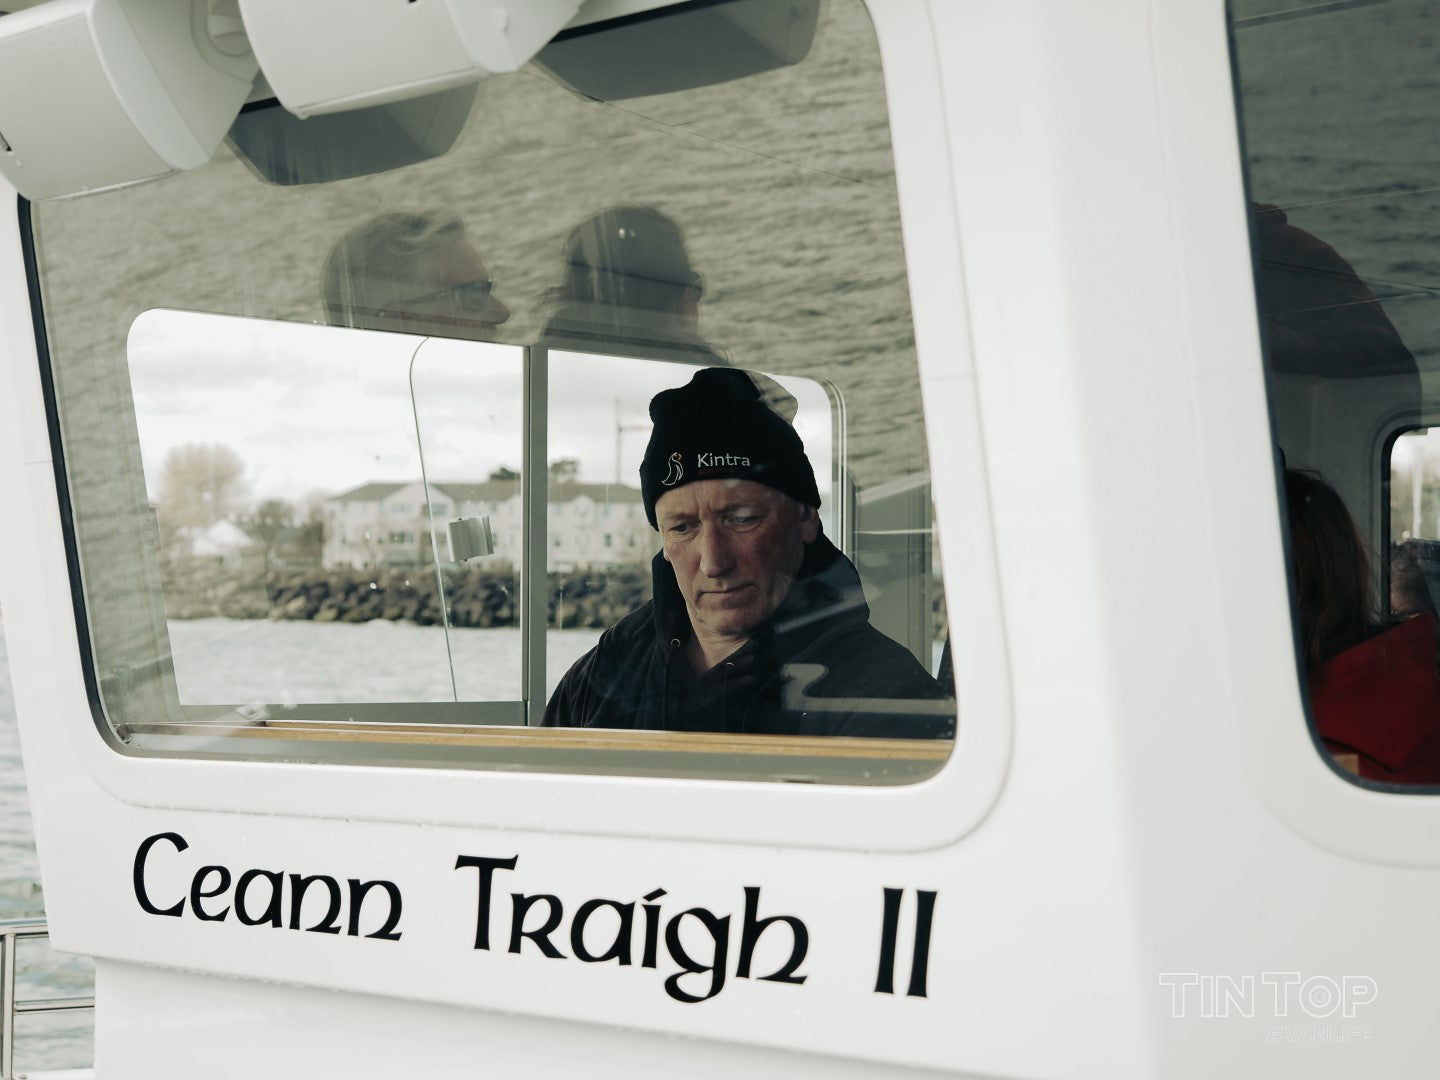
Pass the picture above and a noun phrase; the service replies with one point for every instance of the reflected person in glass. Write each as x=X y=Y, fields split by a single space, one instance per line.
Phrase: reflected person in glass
x=415 y=272
x=628 y=277
x=758 y=624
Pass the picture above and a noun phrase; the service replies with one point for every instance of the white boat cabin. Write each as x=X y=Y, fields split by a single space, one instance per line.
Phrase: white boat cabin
x=336 y=338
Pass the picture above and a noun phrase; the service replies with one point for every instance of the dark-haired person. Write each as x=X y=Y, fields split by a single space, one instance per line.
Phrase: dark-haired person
x=758 y=623
x=411 y=271
x=1374 y=691
x=1320 y=317
x=627 y=276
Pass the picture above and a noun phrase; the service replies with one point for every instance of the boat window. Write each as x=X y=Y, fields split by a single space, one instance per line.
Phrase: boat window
x=353 y=443
x=312 y=476
x=1344 y=218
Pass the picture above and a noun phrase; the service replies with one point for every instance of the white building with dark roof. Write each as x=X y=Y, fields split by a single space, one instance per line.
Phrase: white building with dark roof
x=598 y=525
x=382 y=525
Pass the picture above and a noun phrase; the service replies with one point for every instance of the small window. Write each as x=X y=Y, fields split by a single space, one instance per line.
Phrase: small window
x=1413 y=563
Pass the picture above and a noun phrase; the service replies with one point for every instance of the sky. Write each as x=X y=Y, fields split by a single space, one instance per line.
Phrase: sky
x=321 y=408
x=1424 y=443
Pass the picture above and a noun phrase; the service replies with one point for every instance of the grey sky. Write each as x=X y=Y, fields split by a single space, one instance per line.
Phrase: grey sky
x=311 y=407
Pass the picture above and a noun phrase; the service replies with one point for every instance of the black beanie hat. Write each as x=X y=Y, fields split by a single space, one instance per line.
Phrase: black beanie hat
x=716 y=427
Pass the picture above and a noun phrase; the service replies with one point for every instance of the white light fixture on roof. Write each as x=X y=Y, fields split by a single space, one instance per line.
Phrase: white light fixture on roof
x=326 y=56
x=97 y=94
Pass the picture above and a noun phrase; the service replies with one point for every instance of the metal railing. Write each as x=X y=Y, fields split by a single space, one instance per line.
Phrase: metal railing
x=12 y=932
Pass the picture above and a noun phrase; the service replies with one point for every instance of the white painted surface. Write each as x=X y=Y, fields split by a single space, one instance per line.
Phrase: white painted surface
x=1132 y=792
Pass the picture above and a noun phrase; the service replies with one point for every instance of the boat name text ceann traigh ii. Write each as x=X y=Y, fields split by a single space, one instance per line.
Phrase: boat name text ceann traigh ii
x=695 y=942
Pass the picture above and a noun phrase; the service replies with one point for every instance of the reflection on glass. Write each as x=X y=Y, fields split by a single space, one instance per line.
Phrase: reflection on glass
x=299 y=525
x=785 y=254
x=628 y=276
x=1343 y=241
x=468 y=420
x=412 y=272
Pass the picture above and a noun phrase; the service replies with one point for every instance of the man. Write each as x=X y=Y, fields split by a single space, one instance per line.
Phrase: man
x=412 y=271
x=758 y=623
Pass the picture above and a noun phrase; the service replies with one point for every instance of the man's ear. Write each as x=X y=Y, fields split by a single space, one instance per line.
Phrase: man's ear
x=809 y=523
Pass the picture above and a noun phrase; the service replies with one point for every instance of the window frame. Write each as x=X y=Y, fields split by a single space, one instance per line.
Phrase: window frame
x=910 y=818
x=1268 y=723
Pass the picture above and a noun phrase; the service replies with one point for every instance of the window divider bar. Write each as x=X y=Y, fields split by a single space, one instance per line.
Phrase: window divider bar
x=535 y=496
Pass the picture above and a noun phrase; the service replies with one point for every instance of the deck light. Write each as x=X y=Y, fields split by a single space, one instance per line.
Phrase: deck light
x=98 y=94
x=326 y=56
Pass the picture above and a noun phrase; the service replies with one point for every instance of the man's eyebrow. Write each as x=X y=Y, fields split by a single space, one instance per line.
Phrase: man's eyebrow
x=750 y=506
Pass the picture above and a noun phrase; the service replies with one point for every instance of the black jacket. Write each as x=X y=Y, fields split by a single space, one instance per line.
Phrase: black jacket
x=815 y=667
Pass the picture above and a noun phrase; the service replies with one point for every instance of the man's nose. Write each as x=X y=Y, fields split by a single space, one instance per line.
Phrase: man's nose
x=716 y=555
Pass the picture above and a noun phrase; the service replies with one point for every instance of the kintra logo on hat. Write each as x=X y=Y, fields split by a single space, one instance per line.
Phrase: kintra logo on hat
x=719 y=422
x=677 y=470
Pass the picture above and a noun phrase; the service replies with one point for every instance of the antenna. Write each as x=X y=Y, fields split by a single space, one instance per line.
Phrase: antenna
x=620 y=429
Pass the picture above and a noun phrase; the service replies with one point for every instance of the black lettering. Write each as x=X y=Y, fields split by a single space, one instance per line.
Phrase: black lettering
x=750 y=936
x=358 y=891
x=650 y=958
x=889 y=930
x=487 y=868
x=198 y=892
x=521 y=904
x=298 y=884
x=271 y=914
x=141 y=854
x=619 y=948
x=212 y=881
x=720 y=932
x=920 y=965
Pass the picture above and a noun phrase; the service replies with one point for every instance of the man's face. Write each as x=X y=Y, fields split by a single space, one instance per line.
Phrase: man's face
x=447 y=292
x=735 y=547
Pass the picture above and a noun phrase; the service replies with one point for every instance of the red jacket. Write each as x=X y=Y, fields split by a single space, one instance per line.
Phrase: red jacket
x=1381 y=700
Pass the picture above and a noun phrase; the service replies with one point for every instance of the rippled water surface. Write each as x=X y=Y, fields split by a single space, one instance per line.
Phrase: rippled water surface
x=41 y=1042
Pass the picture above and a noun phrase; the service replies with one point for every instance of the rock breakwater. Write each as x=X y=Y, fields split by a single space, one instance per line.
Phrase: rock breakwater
x=476 y=598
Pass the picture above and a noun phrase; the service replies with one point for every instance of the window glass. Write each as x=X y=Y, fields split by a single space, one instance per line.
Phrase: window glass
x=602 y=542
x=1338 y=104
x=302 y=480
x=1415 y=486
x=355 y=417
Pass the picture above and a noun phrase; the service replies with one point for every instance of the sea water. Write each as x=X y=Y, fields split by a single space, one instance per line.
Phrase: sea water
x=44 y=1041
x=234 y=661
x=240 y=660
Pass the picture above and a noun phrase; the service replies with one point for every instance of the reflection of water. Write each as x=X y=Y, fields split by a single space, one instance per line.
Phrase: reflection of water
x=41 y=1042
x=233 y=661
